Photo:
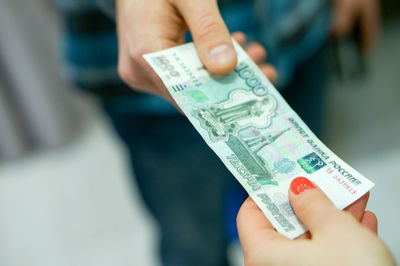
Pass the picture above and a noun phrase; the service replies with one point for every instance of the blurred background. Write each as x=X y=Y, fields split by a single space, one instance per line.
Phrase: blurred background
x=66 y=196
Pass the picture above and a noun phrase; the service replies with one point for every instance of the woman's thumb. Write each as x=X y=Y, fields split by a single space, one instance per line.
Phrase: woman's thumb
x=311 y=205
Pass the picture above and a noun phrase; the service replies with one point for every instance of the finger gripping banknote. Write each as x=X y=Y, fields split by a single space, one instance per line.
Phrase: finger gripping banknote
x=255 y=133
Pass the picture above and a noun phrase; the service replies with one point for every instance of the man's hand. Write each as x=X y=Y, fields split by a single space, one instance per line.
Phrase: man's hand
x=151 y=25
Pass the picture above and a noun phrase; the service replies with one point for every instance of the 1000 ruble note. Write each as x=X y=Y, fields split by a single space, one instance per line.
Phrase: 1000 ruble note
x=256 y=134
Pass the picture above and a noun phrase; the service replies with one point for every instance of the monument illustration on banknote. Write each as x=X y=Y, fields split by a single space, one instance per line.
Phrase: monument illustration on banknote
x=223 y=121
x=259 y=138
x=240 y=110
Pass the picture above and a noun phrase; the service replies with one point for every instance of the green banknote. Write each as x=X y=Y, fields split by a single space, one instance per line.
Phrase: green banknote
x=256 y=134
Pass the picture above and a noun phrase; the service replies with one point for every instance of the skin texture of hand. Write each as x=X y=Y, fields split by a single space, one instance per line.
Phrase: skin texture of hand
x=349 y=12
x=335 y=238
x=146 y=26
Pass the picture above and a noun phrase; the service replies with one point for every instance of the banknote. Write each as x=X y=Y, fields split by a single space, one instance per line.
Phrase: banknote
x=256 y=134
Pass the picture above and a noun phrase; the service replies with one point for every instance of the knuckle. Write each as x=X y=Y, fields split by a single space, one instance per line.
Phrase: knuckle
x=136 y=54
x=128 y=76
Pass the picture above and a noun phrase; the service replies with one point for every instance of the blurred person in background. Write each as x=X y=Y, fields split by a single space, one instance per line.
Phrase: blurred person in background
x=166 y=153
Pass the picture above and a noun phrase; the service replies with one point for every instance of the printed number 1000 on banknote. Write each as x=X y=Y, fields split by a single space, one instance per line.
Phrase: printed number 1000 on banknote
x=256 y=134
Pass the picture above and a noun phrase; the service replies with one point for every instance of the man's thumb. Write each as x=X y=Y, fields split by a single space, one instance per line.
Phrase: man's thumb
x=210 y=34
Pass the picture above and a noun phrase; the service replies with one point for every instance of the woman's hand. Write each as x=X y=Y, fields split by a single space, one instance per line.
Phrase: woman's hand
x=335 y=237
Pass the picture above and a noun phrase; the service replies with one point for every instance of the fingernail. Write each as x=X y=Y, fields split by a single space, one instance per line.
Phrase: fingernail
x=299 y=184
x=221 y=54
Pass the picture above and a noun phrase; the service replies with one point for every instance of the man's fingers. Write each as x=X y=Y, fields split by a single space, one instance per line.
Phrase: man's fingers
x=211 y=37
x=240 y=37
x=256 y=52
x=357 y=209
x=311 y=205
x=269 y=71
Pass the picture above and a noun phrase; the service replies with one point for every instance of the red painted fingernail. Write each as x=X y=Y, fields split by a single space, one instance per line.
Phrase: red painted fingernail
x=299 y=184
